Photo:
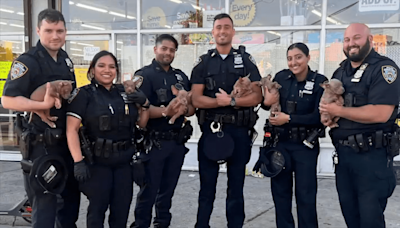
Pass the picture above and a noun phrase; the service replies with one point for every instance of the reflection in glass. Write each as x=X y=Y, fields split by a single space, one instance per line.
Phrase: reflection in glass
x=127 y=55
x=11 y=16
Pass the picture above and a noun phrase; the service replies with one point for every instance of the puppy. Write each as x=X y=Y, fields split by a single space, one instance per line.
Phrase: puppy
x=59 y=89
x=333 y=91
x=242 y=87
x=179 y=103
x=273 y=88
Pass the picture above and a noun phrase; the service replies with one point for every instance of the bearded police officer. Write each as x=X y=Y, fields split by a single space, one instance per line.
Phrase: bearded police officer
x=165 y=157
x=224 y=121
x=367 y=139
x=44 y=146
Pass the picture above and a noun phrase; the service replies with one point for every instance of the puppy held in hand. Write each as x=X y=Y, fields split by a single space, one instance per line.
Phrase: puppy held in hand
x=273 y=88
x=242 y=87
x=179 y=104
x=333 y=91
x=59 y=89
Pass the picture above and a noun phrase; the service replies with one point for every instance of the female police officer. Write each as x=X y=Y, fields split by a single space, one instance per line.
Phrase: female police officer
x=110 y=125
x=299 y=98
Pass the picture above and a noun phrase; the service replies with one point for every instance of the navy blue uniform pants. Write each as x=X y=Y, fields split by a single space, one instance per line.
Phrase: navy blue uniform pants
x=364 y=182
x=236 y=169
x=162 y=173
x=49 y=210
x=110 y=187
x=304 y=166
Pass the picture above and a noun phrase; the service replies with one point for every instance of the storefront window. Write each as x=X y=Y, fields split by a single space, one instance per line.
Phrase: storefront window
x=126 y=49
x=180 y=13
x=275 y=13
x=11 y=16
x=365 y=11
x=386 y=42
x=99 y=15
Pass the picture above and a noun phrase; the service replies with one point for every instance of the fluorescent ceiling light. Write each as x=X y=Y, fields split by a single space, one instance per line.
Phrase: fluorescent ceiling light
x=71 y=2
x=91 y=8
x=21 y=13
x=85 y=44
x=77 y=55
x=327 y=18
x=275 y=33
x=6 y=10
x=176 y=1
x=15 y=25
x=196 y=7
x=93 y=27
x=75 y=49
x=131 y=17
x=116 y=14
x=73 y=42
x=120 y=42
x=3 y=23
x=316 y=13
x=167 y=26
x=119 y=49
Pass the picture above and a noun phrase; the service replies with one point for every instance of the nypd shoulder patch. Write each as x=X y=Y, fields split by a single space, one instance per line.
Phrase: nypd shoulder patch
x=73 y=95
x=197 y=62
x=18 y=70
x=138 y=79
x=389 y=73
x=252 y=60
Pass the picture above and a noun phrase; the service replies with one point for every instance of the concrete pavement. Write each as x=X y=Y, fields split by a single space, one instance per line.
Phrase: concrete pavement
x=260 y=211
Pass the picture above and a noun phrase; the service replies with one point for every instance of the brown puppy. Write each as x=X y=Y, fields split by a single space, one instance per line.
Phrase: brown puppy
x=273 y=88
x=179 y=104
x=59 y=89
x=333 y=91
x=130 y=86
x=242 y=87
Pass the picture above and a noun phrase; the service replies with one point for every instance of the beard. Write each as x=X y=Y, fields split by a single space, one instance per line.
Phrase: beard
x=362 y=53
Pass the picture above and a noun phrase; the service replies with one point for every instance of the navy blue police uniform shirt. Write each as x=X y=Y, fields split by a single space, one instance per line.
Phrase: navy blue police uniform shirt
x=305 y=94
x=377 y=86
x=92 y=101
x=154 y=78
x=35 y=68
x=224 y=72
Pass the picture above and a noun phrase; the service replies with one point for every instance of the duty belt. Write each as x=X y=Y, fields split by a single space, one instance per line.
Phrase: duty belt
x=169 y=135
x=222 y=118
x=105 y=147
x=360 y=142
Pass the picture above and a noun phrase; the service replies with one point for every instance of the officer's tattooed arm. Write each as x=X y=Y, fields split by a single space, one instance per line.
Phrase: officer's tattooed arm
x=20 y=103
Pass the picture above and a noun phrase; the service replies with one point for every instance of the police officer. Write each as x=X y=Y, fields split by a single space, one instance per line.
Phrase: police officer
x=110 y=123
x=299 y=98
x=366 y=139
x=224 y=121
x=168 y=151
x=44 y=63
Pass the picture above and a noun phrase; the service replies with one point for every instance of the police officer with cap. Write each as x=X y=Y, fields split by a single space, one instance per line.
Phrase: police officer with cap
x=367 y=138
x=44 y=146
x=224 y=121
x=167 y=153
x=299 y=118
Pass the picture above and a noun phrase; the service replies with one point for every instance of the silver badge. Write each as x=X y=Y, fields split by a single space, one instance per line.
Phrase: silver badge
x=69 y=64
x=309 y=85
x=178 y=77
x=18 y=70
x=389 y=73
x=357 y=76
x=238 y=59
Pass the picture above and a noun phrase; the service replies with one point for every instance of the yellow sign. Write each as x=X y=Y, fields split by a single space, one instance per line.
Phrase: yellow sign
x=242 y=12
x=154 y=18
x=5 y=67
x=81 y=76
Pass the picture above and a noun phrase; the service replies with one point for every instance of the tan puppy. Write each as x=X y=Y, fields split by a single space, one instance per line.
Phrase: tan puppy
x=242 y=87
x=59 y=89
x=179 y=103
x=333 y=91
x=273 y=88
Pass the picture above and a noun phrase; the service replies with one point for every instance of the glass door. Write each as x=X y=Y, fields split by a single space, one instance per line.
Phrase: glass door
x=81 y=49
x=10 y=48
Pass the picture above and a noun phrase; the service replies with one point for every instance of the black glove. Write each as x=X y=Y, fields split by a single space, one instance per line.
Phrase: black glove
x=261 y=160
x=81 y=171
x=137 y=97
x=139 y=170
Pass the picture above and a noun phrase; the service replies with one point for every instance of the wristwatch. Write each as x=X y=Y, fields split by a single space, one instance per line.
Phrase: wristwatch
x=233 y=102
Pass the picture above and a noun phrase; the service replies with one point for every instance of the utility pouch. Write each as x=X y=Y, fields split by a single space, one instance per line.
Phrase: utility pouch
x=52 y=136
x=210 y=83
x=98 y=147
x=378 y=139
x=302 y=133
x=361 y=143
x=104 y=123
x=185 y=133
x=162 y=95
x=24 y=144
x=246 y=117
x=107 y=148
x=201 y=115
x=291 y=107
x=349 y=100
x=295 y=134
x=240 y=118
x=26 y=165
x=253 y=118
x=393 y=147
x=353 y=143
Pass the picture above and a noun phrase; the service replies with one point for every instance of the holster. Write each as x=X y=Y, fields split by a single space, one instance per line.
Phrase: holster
x=25 y=144
x=393 y=141
x=52 y=135
x=361 y=143
x=185 y=133
x=353 y=143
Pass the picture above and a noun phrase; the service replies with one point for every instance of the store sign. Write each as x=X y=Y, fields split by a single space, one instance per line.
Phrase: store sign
x=154 y=17
x=81 y=76
x=208 y=17
x=5 y=67
x=378 y=5
x=242 y=12
x=248 y=39
x=90 y=52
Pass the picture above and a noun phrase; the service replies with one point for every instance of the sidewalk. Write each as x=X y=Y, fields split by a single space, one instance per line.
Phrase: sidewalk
x=260 y=212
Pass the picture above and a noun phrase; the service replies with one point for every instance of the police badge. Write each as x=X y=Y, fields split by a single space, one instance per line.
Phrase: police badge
x=389 y=73
x=69 y=64
x=18 y=70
